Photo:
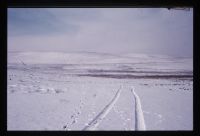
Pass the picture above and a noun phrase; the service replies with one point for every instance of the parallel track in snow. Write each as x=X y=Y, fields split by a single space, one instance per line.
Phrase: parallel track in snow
x=96 y=121
x=139 y=117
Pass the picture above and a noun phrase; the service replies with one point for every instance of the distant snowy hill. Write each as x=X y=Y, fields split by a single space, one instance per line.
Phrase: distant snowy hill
x=138 y=60
x=55 y=57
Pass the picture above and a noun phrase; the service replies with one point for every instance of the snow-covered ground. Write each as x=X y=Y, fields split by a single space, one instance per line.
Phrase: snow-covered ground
x=92 y=91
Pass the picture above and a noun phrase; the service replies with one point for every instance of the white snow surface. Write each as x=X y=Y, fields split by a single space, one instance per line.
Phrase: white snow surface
x=71 y=91
x=139 y=117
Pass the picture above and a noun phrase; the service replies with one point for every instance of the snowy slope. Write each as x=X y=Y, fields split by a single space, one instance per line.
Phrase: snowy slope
x=102 y=61
x=55 y=57
x=80 y=91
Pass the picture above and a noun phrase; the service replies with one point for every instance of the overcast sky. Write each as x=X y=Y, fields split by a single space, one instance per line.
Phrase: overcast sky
x=110 y=30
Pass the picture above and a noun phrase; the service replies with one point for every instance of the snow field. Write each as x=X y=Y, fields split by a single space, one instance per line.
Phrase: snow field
x=54 y=96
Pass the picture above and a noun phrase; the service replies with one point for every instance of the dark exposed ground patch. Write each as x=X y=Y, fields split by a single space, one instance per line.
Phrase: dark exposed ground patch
x=118 y=76
x=132 y=71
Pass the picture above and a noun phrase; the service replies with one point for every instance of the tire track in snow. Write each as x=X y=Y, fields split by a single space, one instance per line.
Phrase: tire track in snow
x=96 y=121
x=139 y=117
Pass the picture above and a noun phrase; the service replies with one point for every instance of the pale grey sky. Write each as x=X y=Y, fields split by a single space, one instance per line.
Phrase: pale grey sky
x=110 y=30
